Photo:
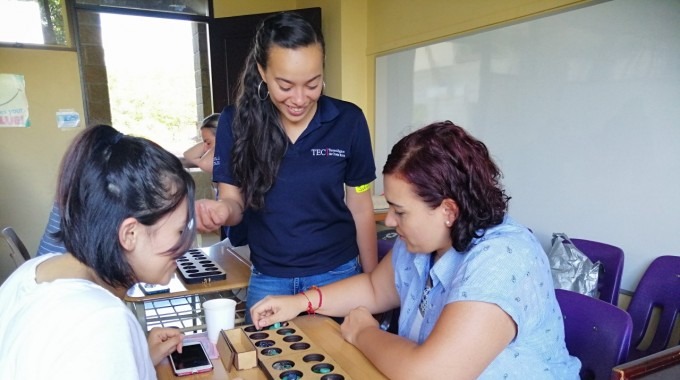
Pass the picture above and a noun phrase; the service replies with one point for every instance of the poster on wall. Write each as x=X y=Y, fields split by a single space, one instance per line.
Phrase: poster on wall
x=13 y=101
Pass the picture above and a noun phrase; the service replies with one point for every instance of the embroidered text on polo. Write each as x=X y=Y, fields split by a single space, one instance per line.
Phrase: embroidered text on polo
x=328 y=152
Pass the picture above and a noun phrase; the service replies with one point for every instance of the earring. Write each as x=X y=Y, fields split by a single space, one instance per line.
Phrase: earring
x=448 y=224
x=323 y=86
x=259 y=91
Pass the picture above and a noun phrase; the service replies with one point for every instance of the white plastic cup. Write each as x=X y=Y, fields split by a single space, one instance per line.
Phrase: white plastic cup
x=219 y=315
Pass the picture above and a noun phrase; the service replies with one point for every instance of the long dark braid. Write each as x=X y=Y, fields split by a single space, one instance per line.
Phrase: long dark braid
x=260 y=141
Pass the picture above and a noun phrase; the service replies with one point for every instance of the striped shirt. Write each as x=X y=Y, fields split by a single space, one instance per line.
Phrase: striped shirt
x=49 y=243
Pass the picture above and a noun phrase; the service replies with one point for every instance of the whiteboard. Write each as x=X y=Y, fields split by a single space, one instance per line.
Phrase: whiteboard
x=581 y=110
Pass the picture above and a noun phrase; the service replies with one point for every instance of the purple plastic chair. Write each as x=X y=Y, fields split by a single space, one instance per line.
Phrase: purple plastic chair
x=611 y=261
x=384 y=247
x=596 y=332
x=659 y=287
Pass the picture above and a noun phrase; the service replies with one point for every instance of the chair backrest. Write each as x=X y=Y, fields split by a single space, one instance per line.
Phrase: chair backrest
x=389 y=320
x=611 y=261
x=19 y=252
x=384 y=247
x=659 y=287
x=596 y=332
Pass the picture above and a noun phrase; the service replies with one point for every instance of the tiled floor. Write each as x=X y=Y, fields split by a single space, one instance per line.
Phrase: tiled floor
x=186 y=313
x=176 y=312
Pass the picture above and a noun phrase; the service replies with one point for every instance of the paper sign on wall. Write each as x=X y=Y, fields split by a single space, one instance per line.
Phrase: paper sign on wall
x=67 y=119
x=13 y=101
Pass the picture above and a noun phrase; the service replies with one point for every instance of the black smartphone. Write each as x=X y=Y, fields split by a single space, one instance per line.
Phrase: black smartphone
x=149 y=289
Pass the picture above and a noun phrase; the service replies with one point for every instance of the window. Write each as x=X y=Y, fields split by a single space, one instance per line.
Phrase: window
x=199 y=8
x=151 y=78
x=144 y=67
x=33 y=22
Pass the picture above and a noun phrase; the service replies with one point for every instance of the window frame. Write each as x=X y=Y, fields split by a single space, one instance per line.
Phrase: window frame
x=96 y=101
x=69 y=44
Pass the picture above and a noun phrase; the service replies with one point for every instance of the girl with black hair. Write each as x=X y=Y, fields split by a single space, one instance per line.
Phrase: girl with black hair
x=127 y=214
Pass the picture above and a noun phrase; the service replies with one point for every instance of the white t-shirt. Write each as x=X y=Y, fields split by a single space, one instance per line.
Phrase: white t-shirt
x=67 y=329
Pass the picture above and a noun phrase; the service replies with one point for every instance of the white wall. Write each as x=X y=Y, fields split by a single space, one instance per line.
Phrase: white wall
x=581 y=110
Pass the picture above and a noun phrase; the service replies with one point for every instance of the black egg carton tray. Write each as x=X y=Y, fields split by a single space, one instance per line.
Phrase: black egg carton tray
x=196 y=267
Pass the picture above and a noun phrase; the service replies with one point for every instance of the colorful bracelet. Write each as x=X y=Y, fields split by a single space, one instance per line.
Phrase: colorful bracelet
x=320 y=296
x=310 y=309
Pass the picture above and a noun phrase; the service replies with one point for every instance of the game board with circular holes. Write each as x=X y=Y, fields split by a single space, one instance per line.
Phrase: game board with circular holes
x=196 y=267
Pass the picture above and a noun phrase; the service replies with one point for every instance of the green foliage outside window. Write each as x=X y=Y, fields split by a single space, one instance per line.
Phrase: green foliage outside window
x=34 y=22
x=53 y=22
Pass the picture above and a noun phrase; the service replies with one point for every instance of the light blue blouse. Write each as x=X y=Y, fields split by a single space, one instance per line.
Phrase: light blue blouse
x=507 y=267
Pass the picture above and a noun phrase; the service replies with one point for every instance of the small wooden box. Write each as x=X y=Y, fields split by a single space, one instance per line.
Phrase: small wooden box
x=235 y=347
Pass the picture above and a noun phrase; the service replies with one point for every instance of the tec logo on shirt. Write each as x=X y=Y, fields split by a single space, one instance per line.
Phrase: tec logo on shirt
x=328 y=152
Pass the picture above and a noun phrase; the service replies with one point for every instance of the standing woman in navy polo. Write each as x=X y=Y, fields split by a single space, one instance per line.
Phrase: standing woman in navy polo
x=296 y=164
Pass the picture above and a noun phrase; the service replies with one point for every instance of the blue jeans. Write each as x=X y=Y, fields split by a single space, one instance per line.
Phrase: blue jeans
x=262 y=285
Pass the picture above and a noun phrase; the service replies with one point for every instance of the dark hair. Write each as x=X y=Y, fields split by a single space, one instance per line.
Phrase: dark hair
x=259 y=139
x=443 y=161
x=210 y=122
x=106 y=177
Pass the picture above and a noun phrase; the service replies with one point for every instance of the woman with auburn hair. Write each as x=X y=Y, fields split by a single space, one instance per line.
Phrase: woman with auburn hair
x=474 y=286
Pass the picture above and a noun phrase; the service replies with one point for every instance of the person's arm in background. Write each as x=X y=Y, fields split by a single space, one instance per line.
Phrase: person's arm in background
x=194 y=154
x=205 y=163
x=360 y=204
x=359 y=175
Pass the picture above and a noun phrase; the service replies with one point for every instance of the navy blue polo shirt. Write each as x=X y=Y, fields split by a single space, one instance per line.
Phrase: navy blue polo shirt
x=305 y=227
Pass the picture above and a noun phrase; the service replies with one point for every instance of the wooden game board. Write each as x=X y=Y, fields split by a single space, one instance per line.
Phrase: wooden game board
x=285 y=352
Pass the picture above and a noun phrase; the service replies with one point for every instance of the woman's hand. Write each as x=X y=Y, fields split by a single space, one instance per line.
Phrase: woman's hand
x=210 y=215
x=274 y=309
x=355 y=322
x=162 y=342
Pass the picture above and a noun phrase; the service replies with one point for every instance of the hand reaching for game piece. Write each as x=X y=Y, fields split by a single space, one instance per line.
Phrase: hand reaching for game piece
x=273 y=309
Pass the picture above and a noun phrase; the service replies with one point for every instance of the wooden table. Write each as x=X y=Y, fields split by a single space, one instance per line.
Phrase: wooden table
x=380 y=208
x=662 y=365
x=238 y=275
x=321 y=330
x=379 y=215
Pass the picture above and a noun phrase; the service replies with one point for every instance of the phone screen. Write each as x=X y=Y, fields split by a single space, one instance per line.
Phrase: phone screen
x=192 y=356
